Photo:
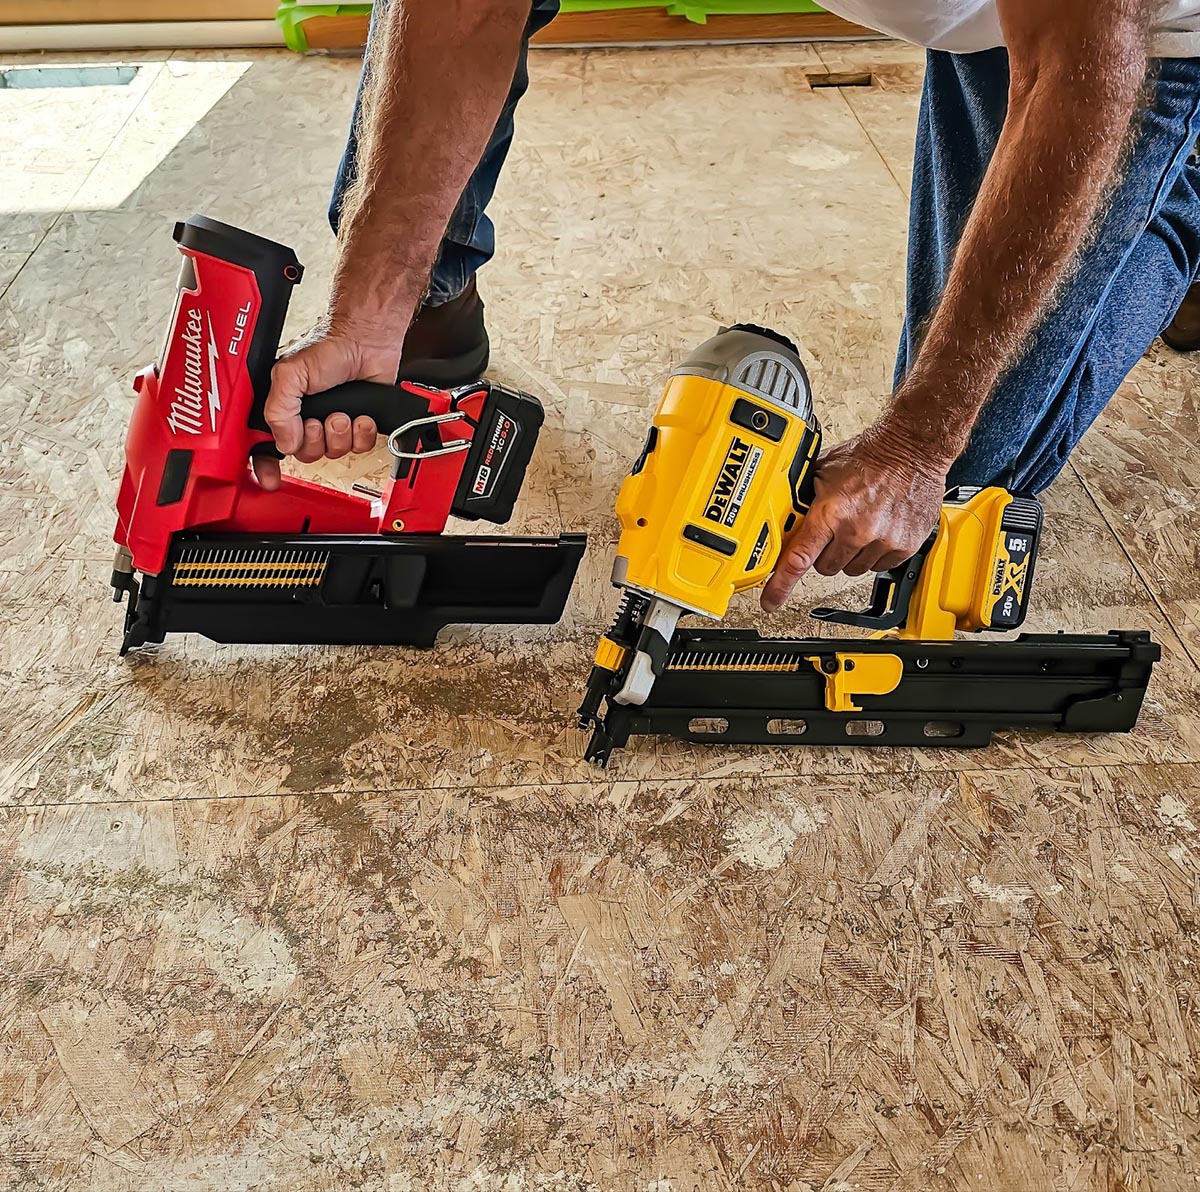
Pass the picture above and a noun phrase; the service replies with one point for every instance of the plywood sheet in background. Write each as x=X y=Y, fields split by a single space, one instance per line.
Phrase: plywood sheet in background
x=346 y=32
x=629 y=26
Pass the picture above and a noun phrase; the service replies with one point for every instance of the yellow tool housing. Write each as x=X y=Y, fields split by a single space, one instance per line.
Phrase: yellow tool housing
x=725 y=472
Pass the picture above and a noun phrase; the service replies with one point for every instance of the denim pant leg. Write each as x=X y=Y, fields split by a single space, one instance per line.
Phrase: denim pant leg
x=470 y=237
x=1124 y=288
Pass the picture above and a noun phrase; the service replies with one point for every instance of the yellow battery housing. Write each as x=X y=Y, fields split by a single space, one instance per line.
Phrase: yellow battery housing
x=978 y=572
x=726 y=470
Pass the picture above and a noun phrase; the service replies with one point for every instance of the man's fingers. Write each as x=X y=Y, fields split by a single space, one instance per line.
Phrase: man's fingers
x=363 y=435
x=891 y=560
x=313 y=446
x=839 y=551
x=282 y=409
x=266 y=469
x=337 y=436
x=866 y=560
x=321 y=360
x=797 y=557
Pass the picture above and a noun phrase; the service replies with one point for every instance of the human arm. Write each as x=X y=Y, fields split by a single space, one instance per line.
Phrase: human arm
x=438 y=72
x=1077 y=69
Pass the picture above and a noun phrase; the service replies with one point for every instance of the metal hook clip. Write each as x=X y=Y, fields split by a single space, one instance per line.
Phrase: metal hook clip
x=432 y=420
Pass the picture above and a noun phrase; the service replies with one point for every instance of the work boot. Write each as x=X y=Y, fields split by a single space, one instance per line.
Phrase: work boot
x=447 y=345
x=1183 y=331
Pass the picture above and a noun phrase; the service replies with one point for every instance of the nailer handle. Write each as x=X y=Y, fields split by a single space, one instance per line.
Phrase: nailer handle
x=890 y=596
x=388 y=406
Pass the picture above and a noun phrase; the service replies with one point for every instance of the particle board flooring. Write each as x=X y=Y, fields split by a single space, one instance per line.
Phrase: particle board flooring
x=281 y=918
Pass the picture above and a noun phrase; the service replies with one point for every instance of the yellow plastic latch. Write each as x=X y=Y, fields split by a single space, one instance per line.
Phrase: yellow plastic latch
x=856 y=674
x=609 y=655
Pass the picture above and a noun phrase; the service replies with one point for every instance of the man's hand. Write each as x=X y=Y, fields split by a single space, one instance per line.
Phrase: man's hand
x=322 y=359
x=877 y=499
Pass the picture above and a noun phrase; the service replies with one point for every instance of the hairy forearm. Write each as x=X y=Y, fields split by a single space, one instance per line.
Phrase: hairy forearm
x=437 y=75
x=1071 y=106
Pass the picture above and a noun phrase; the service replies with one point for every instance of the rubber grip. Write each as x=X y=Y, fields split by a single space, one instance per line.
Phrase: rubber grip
x=388 y=406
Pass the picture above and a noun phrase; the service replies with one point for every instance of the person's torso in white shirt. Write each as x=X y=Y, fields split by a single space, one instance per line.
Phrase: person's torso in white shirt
x=965 y=26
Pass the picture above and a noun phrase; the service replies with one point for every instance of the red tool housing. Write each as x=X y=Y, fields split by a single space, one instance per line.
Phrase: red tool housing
x=221 y=555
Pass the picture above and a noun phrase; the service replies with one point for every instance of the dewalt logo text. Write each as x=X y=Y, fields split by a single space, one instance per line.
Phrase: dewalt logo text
x=733 y=479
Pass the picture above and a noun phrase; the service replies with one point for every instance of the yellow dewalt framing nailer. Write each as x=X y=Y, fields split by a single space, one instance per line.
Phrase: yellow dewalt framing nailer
x=725 y=474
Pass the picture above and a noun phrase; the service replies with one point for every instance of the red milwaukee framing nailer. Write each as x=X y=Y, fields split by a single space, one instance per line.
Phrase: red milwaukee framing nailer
x=219 y=555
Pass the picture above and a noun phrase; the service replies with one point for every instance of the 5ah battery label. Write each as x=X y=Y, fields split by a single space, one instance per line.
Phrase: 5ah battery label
x=1008 y=580
x=733 y=482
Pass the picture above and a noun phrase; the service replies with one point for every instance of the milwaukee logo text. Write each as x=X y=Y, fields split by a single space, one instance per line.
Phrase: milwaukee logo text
x=190 y=397
x=733 y=483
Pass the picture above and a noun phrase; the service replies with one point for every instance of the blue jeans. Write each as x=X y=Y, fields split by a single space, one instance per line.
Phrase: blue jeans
x=470 y=237
x=1122 y=292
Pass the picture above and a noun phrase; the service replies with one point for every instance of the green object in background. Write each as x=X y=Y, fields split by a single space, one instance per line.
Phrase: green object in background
x=292 y=14
x=291 y=17
x=698 y=11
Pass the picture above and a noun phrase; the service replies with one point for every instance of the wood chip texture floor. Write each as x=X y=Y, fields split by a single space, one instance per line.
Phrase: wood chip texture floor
x=293 y=919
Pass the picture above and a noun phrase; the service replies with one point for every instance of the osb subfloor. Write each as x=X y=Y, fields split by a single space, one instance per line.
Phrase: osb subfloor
x=350 y=918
